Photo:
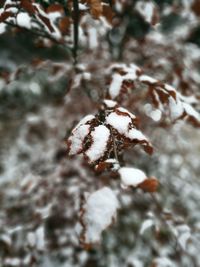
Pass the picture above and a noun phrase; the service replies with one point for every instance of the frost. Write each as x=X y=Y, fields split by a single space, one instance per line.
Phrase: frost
x=131 y=177
x=99 y=212
x=100 y=137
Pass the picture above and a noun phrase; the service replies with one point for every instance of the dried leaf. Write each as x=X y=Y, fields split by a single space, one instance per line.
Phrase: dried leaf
x=149 y=185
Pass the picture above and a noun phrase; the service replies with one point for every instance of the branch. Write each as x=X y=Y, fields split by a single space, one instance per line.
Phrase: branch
x=38 y=33
x=76 y=21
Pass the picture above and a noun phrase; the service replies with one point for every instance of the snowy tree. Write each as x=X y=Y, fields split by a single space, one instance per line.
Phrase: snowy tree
x=103 y=168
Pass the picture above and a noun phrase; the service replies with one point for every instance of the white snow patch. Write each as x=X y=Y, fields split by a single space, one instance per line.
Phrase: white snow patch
x=146 y=9
x=100 y=210
x=24 y=20
x=176 y=108
x=147 y=79
x=115 y=85
x=119 y=122
x=191 y=111
x=109 y=103
x=40 y=238
x=131 y=176
x=135 y=134
x=100 y=137
x=77 y=138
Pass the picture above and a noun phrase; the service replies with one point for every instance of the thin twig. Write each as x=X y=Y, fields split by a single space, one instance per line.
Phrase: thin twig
x=76 y=22
x=114 y=146
x=37 y=33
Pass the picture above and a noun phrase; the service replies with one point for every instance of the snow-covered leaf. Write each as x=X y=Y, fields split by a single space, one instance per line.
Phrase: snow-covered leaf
x=131 y=177
x=97 y=213
x=125 y=124
x=100 y=137
x=79 y=133
x=122 y=78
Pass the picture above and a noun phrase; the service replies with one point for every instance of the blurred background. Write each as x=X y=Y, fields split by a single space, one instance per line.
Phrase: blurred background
x=42 y=98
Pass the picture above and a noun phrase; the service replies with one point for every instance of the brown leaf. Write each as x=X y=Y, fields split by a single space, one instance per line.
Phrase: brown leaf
x=148 y=149
x=64 y=25
x=27 y=5
x=55 y=8
x=96 y=8
x=149 y=185
x=5 y=15
x=108 y=13
x=47 y=22
x=196 y=7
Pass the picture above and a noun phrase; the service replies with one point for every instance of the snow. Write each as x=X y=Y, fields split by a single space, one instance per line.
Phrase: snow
x=40 y=238
x=100 y=137
x=77 y=138
x=163 y=262
x=147 y=79
x=24 y=20
x=100 y=210
x=117 y=79
x=79 y=133
x=6 y=239
x=119 y=122
x=82 y=7
x=92 y=38
x=135 y=134
x=109 y=103
x=85 y=120
x=131 y=176
x=114 y=162
x=115 y=85
x=146 y=9
x=12 y=262
x=191 y=111
x=145 y=225
x=31 y=239
x=156 y=115
x=183 y=235
x=126 y=111
x=2 y=28
x=176 y=108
